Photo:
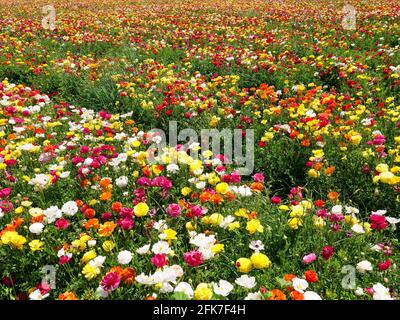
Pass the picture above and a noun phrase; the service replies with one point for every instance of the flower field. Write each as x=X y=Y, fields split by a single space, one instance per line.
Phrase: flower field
x=89 y=211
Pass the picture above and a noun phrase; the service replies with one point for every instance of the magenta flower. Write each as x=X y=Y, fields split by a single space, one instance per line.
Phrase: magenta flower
x=174 y=210
x=193 y=258
x=111 y=281
x=327 y=252
x=159 y=260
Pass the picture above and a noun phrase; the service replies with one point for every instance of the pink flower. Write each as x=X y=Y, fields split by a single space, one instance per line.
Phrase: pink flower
x=327 y=252
x=4 y=193
x=159 y=260
x=126 y=223
x=61 y=224
x=64 y=259
x=309 y=258
x=111 y=281
x=258 y=177
x=193 y=258
x=276 y=200
x=174 y=210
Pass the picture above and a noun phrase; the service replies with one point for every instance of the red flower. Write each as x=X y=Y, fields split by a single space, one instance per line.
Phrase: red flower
x=311 y=276
x=385 y=265
x=193 y=258
x=378 y=222
x=327 y=252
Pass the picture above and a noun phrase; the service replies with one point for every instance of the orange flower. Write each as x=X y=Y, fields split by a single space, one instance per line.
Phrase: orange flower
x=105 y=196
x=37 y=218
x=295 y=295
x=105 y=182
x=230 y=196
x=92 y=223
x=257 y=186
x=68 y=295
x=333 y=195
x=89 y=213
x=128 y=275
x=277 y=294
x=79 y=203
x=107 y=228
x=305 y=143
x=116 y=206
x=329 y=171
x=311 y=276
x=252 y=215
x=205 y=196
x=289 y=277
x=216 y=198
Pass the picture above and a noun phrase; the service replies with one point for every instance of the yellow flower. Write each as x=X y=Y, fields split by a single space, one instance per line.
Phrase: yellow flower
x=189 y=226
x=244 y=265
x=108 y=245
x=215 y=219
x=35 y=212
x=90 y=272
x=242 y=212
x=222 y=187
x=185 y=191
x=254 y=225
x=312 y=173
x=203 y=292
x=88 y=256
x=26 y=203
x=318 y=222
x=36 y=245
x=382 y=167
x=19 y=210
x=294 y=223
x=169 y=234
x=217 y=248
x=233 y=225
x=141 y=209
x=12 y=238
x=260 y=260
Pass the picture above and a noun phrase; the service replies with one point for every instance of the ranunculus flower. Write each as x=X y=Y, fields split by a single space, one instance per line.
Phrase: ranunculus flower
x=174 y=210
x=378 y=222
x=159 y=260
x=111 y=281
x=327 y=252
x=193 y=258
x=385 y=265
x=309 y=258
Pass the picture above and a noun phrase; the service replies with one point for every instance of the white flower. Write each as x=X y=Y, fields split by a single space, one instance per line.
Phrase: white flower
x=379 y=212
x=52 y=214
x=40 y=181
x=256 y=245
x=300 y=284
x=36 y=295
x=144 y=279
x=97 y=262
x=311 y=295
x=161 y=247
x=246 y=281
x=177 y=270
x=364 y=266
x=69 y=208
x=392 y=221
x=357 y=228
x=185 y=288
x=223 y=288
x=91 y=243
x=359 y=292
x=381 y=292
x=36 y=228
x=101 y=292
x=172 y=168
x=337 y=209
x=227 y=220
x=124 y=257
x=65 y=174
x=122 y=182
x=1 y=213
x=143 y=250
x=254 y=296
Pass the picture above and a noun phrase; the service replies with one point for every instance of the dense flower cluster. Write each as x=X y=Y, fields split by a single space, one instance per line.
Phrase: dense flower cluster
x=82 y=191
